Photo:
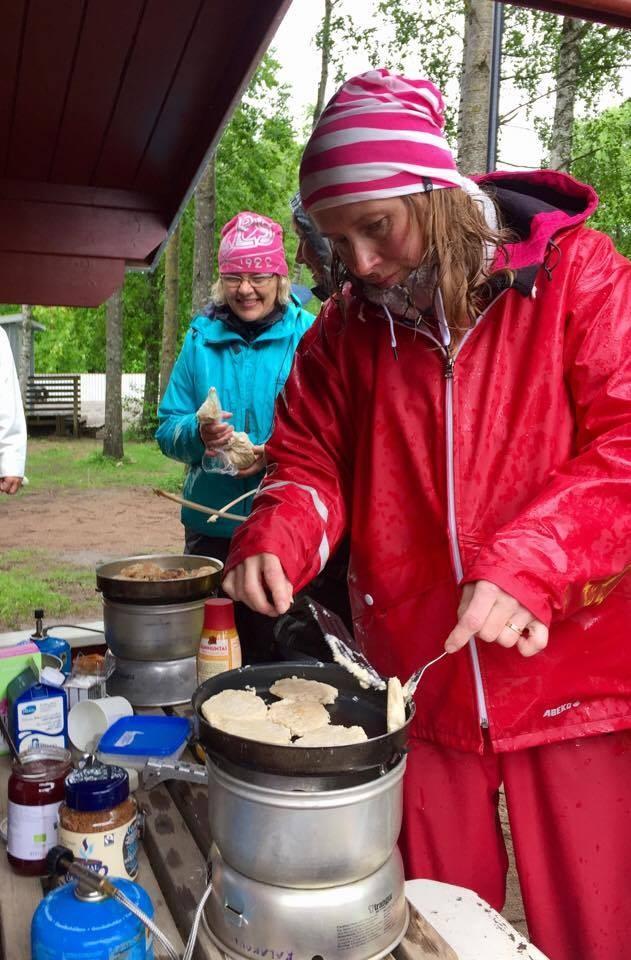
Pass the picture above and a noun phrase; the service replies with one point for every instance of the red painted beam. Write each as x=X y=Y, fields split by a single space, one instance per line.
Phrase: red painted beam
x=615 y=13
x=31 y=226
x=58 y=281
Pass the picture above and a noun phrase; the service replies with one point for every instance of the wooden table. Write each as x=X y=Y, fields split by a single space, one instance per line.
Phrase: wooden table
x=172 y=859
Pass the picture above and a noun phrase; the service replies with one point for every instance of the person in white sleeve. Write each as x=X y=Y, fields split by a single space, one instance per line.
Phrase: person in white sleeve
x=12 y=422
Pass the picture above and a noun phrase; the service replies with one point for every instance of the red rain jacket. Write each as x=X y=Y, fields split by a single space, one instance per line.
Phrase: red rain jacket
x=512 y=465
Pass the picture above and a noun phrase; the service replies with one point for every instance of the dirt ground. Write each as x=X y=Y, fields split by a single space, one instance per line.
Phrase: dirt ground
x=88 y=527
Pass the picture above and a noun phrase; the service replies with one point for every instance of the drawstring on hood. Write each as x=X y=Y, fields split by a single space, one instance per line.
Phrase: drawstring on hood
x=393 y=339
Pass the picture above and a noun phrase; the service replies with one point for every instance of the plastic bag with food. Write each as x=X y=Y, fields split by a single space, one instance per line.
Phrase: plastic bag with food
x=237 y=455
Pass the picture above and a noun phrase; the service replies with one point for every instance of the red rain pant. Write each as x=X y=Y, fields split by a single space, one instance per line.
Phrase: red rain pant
x=569 y=806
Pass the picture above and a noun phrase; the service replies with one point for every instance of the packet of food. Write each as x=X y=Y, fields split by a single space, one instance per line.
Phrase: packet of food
x=237 y=455
x=87 y=680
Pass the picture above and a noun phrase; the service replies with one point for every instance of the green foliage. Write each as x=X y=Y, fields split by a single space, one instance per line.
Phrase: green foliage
x=602 y=157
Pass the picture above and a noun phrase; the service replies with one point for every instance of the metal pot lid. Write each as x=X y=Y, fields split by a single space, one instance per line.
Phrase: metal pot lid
x=354 y=706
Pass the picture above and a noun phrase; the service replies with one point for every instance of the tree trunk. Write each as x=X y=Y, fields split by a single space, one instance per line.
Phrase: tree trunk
x=26 y=349
x=153 y=338
x=113 y=433
x=473 y=119
x=325 y=48
x=169 y=321
x=204 y=238
x=568 y=64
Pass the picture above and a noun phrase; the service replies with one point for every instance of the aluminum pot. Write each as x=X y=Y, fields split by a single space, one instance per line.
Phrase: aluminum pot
x=137 y=631
x=305 y=840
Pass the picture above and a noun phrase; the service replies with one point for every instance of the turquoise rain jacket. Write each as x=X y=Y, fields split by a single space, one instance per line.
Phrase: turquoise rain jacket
x=248 y=377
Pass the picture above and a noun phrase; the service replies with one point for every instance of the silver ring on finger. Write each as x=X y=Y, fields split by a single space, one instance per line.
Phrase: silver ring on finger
x=515 y=628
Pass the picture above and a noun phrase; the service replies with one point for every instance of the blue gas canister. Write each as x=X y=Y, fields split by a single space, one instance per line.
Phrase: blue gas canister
x=65 y=926
x=58 y=647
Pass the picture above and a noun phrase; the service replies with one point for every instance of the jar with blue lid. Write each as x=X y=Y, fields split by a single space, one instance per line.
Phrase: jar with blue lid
x=98 y=820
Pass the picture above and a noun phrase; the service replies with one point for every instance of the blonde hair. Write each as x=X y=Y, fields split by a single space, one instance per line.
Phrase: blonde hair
x=283 y=291
x=456 y=239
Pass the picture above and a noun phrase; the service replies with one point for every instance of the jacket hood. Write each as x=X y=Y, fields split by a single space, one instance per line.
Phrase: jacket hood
x=536 y=205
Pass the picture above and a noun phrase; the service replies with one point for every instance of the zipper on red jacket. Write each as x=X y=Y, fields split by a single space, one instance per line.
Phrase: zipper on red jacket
x=450 y=360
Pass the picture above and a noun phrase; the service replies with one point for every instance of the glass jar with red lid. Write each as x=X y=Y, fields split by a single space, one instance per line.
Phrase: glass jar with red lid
x=36 y=790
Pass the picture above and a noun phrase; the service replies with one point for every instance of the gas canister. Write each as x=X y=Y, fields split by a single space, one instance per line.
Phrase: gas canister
x=66 y=925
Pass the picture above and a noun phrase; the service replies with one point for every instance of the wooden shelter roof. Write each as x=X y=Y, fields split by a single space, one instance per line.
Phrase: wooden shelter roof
x=616 y=13
x=108 y=109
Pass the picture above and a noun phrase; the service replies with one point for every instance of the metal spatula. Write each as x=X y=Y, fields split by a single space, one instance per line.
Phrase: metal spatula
x=345 y=653
x=343 y=648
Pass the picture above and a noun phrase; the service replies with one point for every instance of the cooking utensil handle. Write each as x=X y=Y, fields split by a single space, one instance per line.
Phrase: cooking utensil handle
x=196 y=506
x=233 y=503
x=410 y=687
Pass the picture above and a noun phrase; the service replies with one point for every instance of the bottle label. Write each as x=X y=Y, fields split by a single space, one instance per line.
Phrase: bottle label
x=113 y=852
x=31 y=831
x=218 y=652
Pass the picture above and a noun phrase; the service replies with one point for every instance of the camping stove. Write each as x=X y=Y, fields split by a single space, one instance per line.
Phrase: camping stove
x=354 y=921
x=148 y=683
x=305 y=867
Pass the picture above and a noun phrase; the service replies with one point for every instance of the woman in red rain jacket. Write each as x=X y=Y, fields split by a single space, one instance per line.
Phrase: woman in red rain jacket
x=463 y=408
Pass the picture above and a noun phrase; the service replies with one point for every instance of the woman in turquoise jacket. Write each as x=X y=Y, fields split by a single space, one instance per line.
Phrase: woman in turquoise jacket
x=243 y=345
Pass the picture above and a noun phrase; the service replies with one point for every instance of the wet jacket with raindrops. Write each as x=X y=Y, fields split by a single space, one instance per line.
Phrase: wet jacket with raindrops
x=512 y=465
x=247 y=377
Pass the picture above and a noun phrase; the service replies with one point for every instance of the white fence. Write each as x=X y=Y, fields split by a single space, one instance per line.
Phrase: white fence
x=93 y=386
x=93 y=396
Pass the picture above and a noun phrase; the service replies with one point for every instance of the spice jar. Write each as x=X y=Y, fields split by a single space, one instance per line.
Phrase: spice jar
x=219 y=647
x=36 y=790
x=98 y=820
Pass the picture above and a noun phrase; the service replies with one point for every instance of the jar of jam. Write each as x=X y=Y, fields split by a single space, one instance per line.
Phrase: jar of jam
x=98 y=820
x=36 y=790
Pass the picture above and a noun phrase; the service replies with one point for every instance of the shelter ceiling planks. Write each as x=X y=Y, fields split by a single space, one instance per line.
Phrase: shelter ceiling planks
x=107 y=111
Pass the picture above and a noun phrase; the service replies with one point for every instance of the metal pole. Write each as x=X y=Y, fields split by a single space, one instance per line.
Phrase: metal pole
x=494 y=86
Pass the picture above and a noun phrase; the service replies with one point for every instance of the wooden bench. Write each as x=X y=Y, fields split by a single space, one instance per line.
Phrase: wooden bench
x=173 y=856
x=54 y=398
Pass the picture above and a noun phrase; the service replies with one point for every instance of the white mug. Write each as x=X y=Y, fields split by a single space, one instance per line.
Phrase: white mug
x=89 y=719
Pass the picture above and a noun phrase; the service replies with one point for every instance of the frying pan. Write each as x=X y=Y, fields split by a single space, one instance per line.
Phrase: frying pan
x=158 y=591
x=353 y=706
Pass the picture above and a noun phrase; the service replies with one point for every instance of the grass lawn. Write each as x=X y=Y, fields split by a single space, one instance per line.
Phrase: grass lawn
x=80 y=463
x=32 y=578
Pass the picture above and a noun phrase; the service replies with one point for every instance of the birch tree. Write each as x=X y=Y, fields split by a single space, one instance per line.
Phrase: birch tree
x=113 y=432
x=203 y=238
x=567 y=73
x=473 y=116
x=170 y=318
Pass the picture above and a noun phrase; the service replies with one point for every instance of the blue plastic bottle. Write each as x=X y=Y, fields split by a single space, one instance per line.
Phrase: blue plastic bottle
x=65 y=926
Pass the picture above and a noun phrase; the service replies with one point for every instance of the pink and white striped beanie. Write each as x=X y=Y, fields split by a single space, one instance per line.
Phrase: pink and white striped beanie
x=381 y=135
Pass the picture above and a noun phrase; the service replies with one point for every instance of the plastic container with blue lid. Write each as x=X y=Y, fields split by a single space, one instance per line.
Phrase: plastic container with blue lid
x=130 y=741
